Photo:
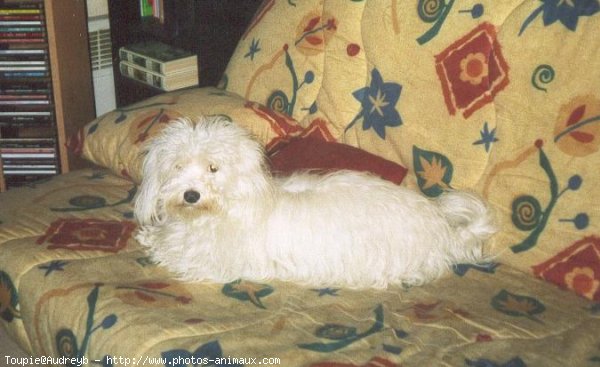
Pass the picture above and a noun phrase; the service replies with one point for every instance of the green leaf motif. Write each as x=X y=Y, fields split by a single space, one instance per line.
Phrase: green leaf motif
x=518 y=305
x=434 y=171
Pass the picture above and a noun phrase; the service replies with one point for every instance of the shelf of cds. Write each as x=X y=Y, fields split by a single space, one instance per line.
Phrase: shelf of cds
x=25 y=93
x=40 y=102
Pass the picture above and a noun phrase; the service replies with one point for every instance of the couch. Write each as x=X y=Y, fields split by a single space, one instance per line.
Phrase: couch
x=500 y=97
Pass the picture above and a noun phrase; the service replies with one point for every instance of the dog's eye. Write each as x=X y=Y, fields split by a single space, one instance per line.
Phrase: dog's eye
x=178 y=167
x=212 y=168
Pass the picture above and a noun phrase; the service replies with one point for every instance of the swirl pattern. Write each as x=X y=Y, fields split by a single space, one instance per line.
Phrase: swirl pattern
x=278 y=101
x=430 y=10
x=543 y=74
x=526 y=212
x=66 y=344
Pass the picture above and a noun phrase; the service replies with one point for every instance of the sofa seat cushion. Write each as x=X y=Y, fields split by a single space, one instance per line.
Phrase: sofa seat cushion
x=74 y=282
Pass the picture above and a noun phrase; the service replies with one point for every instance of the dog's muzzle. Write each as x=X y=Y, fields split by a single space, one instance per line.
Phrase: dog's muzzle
x=191 y=196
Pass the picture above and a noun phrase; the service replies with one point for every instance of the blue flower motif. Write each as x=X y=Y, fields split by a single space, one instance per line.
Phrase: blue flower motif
x=487 y=137
x=565 y=11
x=254 y=48
x=378 y=102
x=55 y=265
x=326 y=291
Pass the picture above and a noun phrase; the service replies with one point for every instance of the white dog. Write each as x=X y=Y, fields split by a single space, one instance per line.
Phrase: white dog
x=210 y=210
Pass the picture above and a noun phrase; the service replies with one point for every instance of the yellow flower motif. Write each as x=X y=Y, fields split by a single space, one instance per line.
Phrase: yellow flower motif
x=378 y=102
x=433 y=173
x=474 y=68
x=583 y=281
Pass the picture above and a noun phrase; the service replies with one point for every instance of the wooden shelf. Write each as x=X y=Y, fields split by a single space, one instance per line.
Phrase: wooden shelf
x=66 y=21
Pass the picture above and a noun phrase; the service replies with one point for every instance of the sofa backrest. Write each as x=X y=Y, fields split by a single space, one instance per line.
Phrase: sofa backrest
x=405 y=79
x=499 y=96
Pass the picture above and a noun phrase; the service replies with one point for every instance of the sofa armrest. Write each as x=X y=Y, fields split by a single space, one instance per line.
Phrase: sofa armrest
x=115 y=139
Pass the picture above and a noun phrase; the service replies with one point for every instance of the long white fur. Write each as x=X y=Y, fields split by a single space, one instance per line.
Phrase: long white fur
x=344 y=228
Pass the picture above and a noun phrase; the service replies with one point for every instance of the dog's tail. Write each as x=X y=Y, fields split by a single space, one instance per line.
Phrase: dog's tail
x=472 y=220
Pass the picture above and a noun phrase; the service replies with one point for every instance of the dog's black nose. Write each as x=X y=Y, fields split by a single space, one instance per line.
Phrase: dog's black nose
x=191 y=196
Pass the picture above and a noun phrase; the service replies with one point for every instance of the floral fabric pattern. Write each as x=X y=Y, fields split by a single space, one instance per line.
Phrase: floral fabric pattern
x=73 y=302
x=497 y=97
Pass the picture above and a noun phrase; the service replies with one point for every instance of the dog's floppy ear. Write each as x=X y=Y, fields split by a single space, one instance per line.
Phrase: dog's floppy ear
x=147 y=204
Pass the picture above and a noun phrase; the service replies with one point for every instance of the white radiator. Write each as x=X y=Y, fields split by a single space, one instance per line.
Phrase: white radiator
x=101 y=55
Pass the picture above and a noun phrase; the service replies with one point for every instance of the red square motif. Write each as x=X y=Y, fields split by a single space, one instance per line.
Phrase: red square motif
x=472 y=70
x=576 y=268
x=88 y=234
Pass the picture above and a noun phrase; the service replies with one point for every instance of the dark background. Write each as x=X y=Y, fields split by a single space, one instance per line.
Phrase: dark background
x=209 y=28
